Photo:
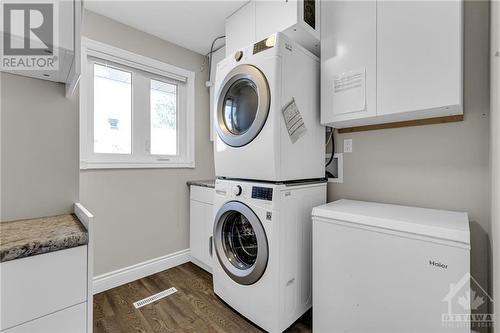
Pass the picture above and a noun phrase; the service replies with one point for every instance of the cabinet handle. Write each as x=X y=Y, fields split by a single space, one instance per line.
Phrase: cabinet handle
x=210 y=246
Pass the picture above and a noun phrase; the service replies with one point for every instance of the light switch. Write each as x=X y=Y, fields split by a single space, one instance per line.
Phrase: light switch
x=347 y=145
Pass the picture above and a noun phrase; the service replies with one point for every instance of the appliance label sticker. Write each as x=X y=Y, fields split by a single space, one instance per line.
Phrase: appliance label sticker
x=349 y=91
x=294 y=121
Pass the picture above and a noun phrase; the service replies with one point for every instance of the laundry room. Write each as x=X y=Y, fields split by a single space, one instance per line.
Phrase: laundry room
x=249 y=166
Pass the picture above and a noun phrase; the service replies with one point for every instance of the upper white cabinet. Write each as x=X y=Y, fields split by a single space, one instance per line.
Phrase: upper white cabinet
x=419 y=55
x=75 y=71
x=271 y=16
x=298 y=19
x=65 y=17
x=389 y=61
x=348 y=38
x=240 y=28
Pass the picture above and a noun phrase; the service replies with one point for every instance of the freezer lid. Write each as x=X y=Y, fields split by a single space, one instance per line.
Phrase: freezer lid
x=441 y=224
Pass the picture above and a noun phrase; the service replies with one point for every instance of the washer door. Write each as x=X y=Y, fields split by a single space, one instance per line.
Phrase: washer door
x=242 y=105
x=240 y=243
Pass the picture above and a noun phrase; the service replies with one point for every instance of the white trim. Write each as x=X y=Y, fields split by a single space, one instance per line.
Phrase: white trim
x=87 y=219
x=136 y=165
x=134 y=60
x=138 y=271
x=186 y=126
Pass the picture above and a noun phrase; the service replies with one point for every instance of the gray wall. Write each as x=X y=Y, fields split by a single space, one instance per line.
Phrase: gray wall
x=39 y=148
x=436 y=166
x=141 y=214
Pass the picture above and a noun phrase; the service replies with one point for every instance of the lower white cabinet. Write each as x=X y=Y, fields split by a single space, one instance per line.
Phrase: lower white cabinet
x=70 y=320
x=50 y=292
x=37 y=286
x=201 y=225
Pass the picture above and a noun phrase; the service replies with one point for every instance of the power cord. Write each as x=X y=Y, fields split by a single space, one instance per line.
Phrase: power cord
x=331 y=138
x=209 y=83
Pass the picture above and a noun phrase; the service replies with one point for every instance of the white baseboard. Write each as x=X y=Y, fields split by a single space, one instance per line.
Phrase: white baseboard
x=131 y=273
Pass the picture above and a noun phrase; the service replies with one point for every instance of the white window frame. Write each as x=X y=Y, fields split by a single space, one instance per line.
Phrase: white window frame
x=140 y=157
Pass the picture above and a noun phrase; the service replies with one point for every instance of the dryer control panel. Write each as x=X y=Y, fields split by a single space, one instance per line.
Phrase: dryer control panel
x=262 y=193
x=264 y=44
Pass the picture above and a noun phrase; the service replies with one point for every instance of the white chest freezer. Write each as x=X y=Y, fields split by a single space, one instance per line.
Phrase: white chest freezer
x=387 y=268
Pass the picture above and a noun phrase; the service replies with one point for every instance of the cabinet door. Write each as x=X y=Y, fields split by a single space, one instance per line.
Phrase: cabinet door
x=419 y=56
x=273 y=16
x=75 y=69
x=201 y=224
x=348 y=60
x=73 y=319
x=240 y=28
x=36 y=286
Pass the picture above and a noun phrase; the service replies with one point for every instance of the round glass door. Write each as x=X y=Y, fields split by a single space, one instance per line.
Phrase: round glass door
x=243 y=105
x=240 y=106
x=240 y=243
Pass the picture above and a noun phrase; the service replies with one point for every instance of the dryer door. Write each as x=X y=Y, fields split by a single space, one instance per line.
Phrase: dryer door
x=240 y=243
x=242 y=105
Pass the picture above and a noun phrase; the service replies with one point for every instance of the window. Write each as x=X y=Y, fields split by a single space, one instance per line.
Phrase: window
x=136 y=112
x=112 y=110
x=163 y=118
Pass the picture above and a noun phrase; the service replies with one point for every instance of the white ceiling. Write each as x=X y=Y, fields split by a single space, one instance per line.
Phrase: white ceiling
x=191 y=24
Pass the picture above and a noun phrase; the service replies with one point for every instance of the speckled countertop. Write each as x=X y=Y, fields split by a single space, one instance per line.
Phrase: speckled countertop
x=24 y=238
x=203 y=183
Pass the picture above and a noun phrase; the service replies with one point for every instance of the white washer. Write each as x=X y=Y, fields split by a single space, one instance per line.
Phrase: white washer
x=262 y=244
x=252 y=88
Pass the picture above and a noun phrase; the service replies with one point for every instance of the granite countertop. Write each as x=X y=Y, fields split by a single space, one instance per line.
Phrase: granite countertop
x=24 y=238
x=203 y=183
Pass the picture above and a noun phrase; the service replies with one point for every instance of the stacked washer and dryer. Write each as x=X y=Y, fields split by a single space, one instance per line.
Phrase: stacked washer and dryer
x=268 y=180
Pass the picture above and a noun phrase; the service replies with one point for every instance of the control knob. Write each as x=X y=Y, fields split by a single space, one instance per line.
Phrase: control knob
x=237 y=190
x=238 y=55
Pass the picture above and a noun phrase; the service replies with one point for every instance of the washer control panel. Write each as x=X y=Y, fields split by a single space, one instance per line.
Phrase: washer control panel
x=262 y=193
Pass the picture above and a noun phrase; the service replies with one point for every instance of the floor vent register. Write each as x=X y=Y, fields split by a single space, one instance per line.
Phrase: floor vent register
x=154 y=298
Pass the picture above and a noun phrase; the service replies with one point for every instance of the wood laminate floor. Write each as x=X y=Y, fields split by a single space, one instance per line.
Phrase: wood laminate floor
x=194 y=308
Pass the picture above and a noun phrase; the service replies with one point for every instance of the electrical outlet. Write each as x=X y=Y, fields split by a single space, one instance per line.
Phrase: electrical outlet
x=347 y=145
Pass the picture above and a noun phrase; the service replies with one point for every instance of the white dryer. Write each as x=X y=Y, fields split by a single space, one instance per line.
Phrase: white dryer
x=252 y=88
x=262 y=243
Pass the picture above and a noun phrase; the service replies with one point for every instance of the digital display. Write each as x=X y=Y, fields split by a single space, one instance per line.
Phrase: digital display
x=262 y=193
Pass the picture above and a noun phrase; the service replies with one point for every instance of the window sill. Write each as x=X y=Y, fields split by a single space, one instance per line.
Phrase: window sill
x=137 y=165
